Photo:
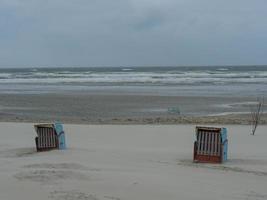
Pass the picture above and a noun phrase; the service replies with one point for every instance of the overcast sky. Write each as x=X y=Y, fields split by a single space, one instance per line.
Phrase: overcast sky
x=132 y=32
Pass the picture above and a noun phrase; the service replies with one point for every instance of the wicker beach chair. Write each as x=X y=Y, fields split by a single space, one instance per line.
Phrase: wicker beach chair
x=211 y=145
x=49 y=136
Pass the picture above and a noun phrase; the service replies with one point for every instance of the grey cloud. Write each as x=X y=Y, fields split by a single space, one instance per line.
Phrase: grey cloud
x=132 y=32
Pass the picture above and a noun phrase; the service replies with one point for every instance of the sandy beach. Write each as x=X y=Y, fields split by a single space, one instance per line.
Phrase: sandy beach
x=130 y=80
x=130 y=140
x=130 y=162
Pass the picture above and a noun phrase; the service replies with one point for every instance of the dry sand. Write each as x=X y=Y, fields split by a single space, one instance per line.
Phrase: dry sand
x=117 y=162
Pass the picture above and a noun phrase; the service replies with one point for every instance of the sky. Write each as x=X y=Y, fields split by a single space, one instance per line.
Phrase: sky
x=84 y=33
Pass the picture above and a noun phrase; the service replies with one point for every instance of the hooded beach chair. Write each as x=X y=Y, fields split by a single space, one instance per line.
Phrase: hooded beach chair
x=211 y=145
x=49 y=136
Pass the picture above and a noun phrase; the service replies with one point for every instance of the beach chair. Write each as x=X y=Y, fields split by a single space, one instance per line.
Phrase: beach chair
x=49 y=136
x=211 y=145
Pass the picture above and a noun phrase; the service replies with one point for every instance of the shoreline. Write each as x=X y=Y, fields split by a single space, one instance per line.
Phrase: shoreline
x=183 y=120
x=101 y=108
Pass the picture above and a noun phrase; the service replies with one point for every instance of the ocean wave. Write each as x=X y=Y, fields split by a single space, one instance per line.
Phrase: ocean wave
x=128 y=75
x=222 y=69
x=127 y=69
x=5 y=75
x=133 y=79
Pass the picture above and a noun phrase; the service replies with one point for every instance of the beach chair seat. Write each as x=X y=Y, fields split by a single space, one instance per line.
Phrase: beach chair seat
x=49 y=136
x=211 y=145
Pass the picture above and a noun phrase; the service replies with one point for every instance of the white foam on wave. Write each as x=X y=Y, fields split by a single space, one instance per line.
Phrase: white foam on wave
x=128 y=76
x=231 y=113
x=96 y=80
x=5 y=75
x=237 y=104
x=227 y=113
x=222 y=69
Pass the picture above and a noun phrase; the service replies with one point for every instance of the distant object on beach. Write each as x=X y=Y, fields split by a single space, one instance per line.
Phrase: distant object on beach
x=50 y=136
x=211 y=145
x=174 y=110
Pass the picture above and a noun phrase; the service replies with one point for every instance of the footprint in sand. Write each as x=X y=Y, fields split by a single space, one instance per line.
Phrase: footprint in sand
x=254 y=195
x=70 y=195
x=50 y=176
x=17 y=152
x=65 y=166
x=111 y=198
x=53 y=172
x=220 y=167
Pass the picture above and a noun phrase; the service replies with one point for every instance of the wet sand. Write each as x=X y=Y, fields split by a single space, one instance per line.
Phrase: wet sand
x=91 y=108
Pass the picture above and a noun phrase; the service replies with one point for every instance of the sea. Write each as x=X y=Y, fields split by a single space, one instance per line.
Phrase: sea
x=165 y=80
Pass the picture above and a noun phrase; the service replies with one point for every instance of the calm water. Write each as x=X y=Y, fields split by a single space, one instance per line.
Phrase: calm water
x=213 y=80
